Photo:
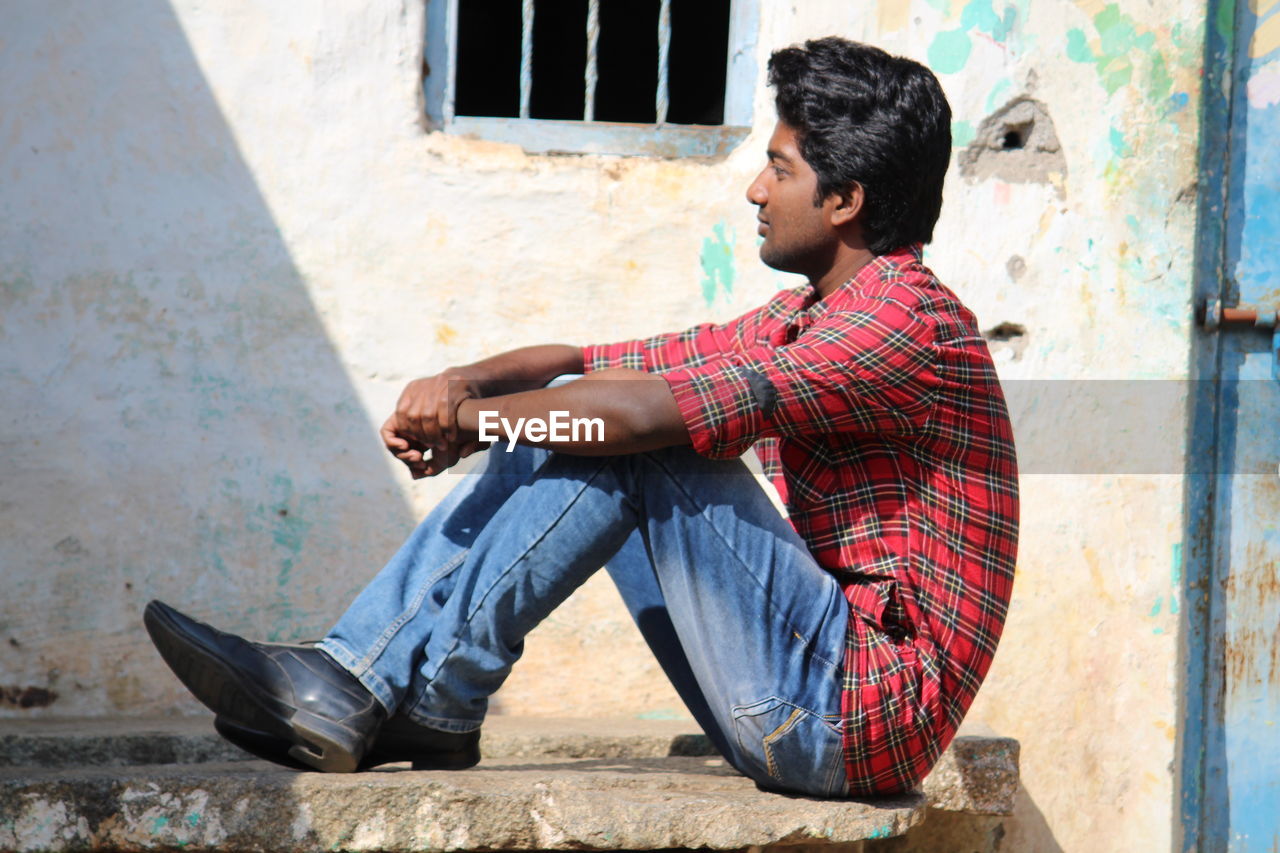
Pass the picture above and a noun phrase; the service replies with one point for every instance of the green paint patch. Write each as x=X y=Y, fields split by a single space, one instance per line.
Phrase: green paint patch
x=1078 y=46
x=949 y=51
x=717 y=263
x=1175 y=577
x=881 y=832
x=159 y=823
x=1118 y=42
x=1161 y=80
x=1155 y=608
x=1119 y=147
x=1224 y=23
x=979 y=15
x=193 y=819
x=962 y=133
x=943 y=6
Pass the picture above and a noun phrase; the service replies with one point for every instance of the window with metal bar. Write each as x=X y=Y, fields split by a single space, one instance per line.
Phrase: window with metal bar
x=660 y=77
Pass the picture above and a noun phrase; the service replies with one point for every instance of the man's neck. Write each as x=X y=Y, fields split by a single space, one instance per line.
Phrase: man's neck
x=846 y=266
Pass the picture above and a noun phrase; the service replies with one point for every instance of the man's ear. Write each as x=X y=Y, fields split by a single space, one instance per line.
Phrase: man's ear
x=848 y=204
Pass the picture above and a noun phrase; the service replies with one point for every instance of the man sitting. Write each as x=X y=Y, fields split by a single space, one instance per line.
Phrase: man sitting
x=833 y=652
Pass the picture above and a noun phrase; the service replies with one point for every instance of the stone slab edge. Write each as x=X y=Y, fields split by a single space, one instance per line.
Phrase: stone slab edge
x=664 y=804
x=976 y=774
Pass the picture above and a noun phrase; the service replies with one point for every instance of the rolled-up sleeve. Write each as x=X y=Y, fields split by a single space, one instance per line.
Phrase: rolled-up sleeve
x=868 y=368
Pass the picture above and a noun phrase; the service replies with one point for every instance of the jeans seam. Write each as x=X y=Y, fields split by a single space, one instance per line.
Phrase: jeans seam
x=675 y=481
x=771 y=765
x=837 y=766
x=734 y=710
x=506 y=571
x=370 y=679
x=385 y=639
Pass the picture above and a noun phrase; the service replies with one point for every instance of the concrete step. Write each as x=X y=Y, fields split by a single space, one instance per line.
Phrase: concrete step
x=544 y=784
x=120 y=742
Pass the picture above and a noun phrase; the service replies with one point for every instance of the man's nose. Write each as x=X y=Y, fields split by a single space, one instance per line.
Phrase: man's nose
x=756 y=193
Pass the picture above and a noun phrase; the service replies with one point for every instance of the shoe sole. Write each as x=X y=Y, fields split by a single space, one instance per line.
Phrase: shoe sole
x=315 y=741
x=275 y=749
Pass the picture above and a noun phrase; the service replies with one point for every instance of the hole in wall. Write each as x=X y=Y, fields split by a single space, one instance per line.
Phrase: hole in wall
x=1016 y=266
x=24 y=697
x=1017 y=144
x=1014 y=138
x=1007 y=341
x=1005 y=331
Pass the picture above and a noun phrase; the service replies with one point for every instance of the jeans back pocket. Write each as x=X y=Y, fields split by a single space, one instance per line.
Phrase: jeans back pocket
x=791 y=748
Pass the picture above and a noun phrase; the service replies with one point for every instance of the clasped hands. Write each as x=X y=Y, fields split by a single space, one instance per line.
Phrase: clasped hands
x=423 y=431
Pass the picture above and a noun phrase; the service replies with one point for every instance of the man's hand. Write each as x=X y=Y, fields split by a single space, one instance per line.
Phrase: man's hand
x=425 y=420
x=637 y=409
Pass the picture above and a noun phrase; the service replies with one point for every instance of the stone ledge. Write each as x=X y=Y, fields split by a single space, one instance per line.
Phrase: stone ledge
x=978 y=775
x=504 y=804
x=546 y=784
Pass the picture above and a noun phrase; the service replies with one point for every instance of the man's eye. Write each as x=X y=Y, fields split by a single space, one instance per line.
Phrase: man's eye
x=779 y=172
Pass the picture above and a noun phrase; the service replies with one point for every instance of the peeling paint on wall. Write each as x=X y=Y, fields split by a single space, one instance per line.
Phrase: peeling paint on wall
x=717 y=263
x=1266 y=37
x=1263 y=88
x=950 y=49
x=1118 y=46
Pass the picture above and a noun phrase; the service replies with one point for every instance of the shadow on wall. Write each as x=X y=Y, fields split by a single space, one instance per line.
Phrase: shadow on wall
x=174 y=421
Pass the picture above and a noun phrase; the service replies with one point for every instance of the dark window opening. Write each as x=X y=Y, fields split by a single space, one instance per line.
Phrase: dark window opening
x=699 y=57
x=487 y=69
x=488 y=58
x=628 y=61
x=559 y=59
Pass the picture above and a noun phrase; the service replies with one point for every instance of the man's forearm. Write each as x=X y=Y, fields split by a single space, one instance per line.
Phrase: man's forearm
x=523 y=369
x=635 y=411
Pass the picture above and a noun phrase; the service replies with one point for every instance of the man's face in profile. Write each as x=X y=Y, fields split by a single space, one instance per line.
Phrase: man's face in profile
x=798 y=235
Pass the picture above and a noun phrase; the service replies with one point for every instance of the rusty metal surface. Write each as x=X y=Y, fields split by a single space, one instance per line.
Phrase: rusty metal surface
x=1241 y=737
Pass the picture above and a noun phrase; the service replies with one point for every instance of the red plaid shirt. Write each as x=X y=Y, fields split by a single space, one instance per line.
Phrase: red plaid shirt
x=878 y=416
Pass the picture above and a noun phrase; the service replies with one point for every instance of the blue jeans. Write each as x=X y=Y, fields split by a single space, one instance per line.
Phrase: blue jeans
x=748 y=628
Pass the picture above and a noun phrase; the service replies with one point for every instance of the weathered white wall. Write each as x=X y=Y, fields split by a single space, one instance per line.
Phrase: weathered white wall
x=226 y=241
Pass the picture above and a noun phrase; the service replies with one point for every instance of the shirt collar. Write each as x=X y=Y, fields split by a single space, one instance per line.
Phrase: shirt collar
x=872 y=272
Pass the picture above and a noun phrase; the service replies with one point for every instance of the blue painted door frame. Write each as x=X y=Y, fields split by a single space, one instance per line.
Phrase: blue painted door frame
x=1230 y=737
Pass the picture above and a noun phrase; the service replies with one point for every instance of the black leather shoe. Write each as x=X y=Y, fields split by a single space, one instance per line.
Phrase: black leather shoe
x=399 y=739
x=297 y=694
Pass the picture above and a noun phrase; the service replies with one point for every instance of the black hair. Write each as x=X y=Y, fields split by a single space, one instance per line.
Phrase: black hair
x=863 y=116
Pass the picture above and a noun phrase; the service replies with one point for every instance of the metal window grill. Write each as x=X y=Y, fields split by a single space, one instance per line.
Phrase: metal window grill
x=591 y=76
x=480 y=78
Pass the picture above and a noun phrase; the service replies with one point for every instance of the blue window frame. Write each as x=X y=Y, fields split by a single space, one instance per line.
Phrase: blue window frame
x=667 y=78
